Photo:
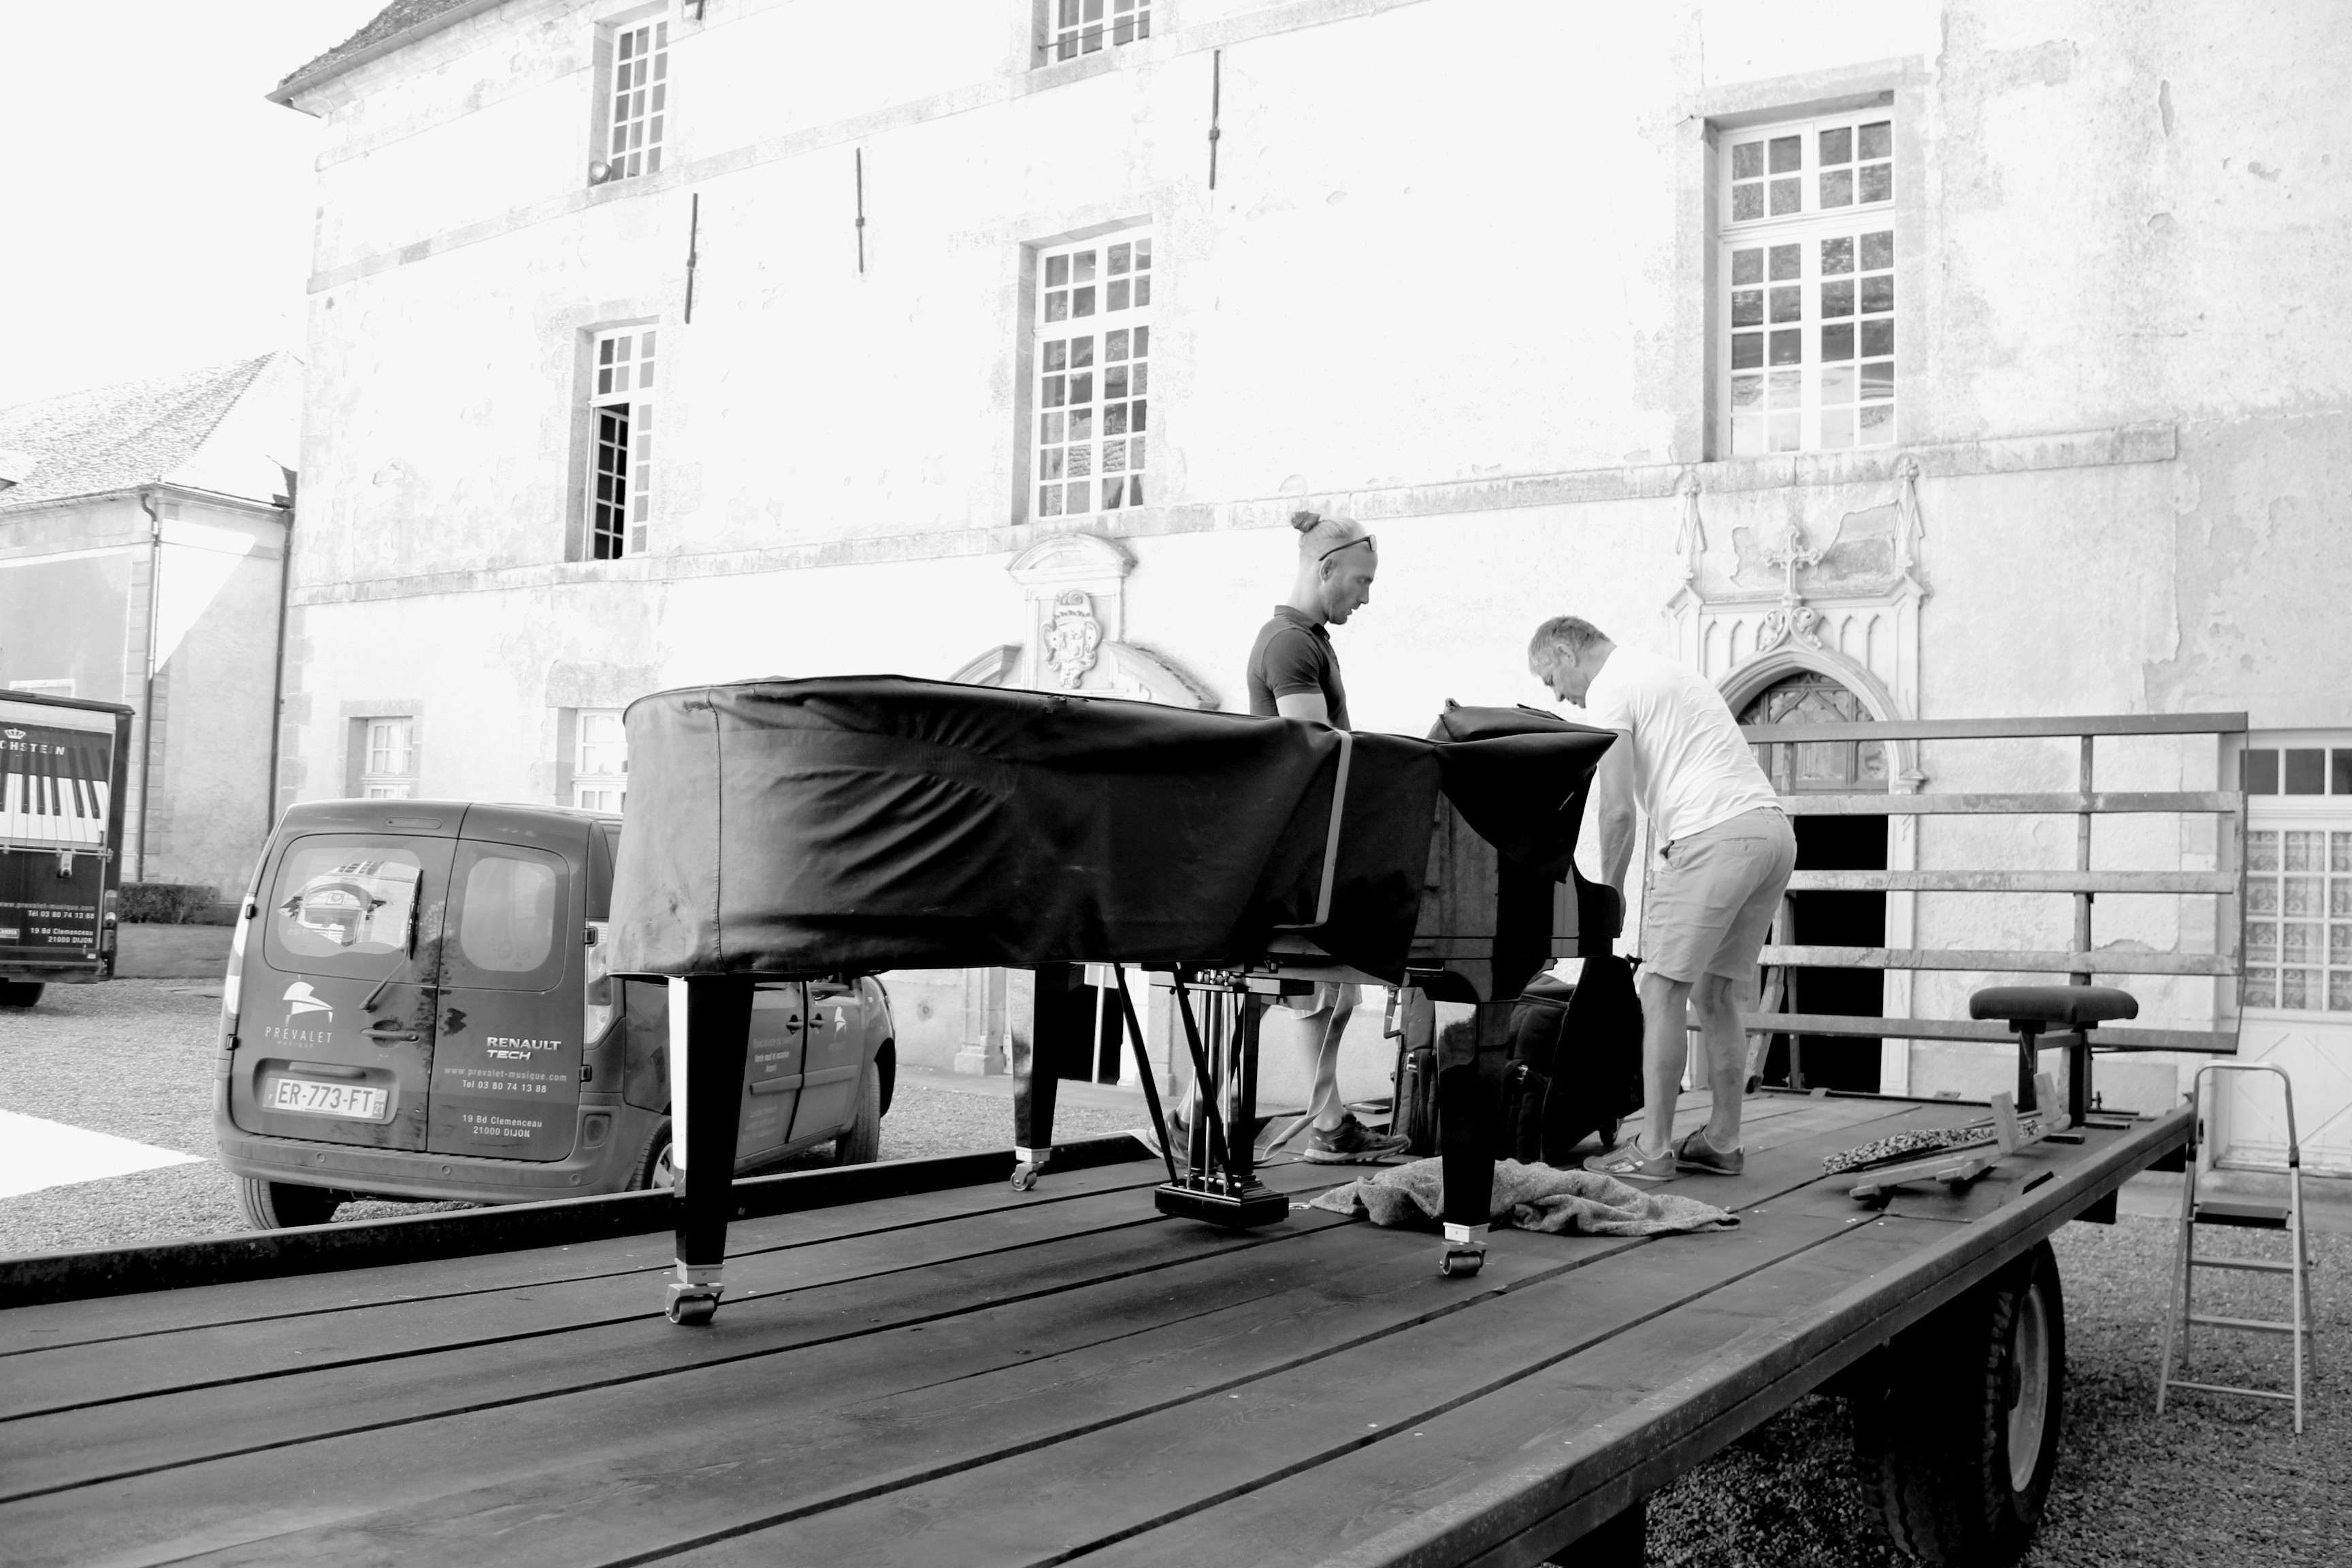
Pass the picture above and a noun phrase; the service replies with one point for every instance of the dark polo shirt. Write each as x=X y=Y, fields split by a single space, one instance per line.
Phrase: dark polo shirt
x=1292 y=657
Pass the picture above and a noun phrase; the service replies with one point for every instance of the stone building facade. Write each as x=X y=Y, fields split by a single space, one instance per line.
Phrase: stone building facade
x=143 y=551
x=1963 y=359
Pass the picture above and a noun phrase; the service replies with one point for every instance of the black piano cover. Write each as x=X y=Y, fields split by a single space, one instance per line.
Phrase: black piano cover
x=863 y=822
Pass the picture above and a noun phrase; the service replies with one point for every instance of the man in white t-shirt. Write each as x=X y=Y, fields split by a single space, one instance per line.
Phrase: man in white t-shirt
x=1725 y=852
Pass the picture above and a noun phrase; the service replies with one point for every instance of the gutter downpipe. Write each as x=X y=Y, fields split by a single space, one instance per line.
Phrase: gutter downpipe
x=278 y=673
x=147 y=702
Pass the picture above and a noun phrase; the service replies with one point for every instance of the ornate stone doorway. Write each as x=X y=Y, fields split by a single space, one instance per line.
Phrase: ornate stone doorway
x=1824 y=918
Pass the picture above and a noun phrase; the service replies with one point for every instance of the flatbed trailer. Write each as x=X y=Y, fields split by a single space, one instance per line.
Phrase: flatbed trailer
x=973 y=1374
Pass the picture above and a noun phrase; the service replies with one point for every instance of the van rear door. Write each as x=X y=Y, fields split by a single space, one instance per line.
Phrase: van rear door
x=338 y=1015
x=508 y=1046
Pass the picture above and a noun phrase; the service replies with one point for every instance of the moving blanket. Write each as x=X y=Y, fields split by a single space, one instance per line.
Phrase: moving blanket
x=877 y=822
x=1530 y=1198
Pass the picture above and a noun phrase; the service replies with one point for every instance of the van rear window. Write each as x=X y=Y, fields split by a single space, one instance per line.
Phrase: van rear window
x=508 y=924
x=350 y=906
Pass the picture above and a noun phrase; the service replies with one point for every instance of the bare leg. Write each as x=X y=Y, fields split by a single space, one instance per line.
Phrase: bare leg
x=1716 y=999
x=1319 y=1036
x=1665 y=1047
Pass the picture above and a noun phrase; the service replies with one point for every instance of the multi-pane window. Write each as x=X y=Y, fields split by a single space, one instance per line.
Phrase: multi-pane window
x=1807 y=348
x=388 y=765
x=1083 y=26
x=620 y=442
x=2299 y=917
x=2296 y=770
x=600 y=760
x=640 y=94
x=1092 y=408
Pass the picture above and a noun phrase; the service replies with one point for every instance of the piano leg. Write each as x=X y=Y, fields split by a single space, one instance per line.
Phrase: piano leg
x=1035 y=1083
x=1469 y=1056
x=709 y=1028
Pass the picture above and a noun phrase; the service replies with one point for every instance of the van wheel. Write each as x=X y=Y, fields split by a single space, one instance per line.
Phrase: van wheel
x=21 y=993
x=861 y=1144
x=277 y=1206
x=653 y=1167
x=1957 y=1442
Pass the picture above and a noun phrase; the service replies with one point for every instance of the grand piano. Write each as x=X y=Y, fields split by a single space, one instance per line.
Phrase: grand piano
x=802 y=828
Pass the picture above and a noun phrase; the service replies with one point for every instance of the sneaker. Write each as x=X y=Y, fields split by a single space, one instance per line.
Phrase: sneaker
x=1352 y=1143
x=1629 y=1162
x=1698 y=1153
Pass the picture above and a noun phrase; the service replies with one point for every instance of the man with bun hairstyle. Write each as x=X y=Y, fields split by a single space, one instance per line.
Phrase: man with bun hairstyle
x=1725 y=852
x=1295 y=674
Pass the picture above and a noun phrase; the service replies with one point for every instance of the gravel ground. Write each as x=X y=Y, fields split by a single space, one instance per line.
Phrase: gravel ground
x=2214 y=1482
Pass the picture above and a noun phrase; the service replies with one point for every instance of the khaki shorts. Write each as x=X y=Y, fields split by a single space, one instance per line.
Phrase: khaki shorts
x=1327 y=994
x=1712 y=895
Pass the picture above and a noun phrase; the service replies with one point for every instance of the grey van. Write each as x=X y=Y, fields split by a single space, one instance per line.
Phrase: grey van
x=416 y=1008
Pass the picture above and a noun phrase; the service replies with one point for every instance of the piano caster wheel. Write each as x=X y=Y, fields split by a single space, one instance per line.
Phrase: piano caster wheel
x=1462 y=1261
x=693 y=1305
x=1025 y=1176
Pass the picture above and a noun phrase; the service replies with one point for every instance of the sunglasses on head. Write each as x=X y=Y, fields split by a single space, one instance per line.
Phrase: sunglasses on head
x=1366 y=540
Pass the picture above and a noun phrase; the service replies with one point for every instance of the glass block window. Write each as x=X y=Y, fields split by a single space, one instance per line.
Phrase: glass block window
x=1091 y=412
x=620 y=442
x=388 y=767
x=1084 y=27
x=1807 y=281
x=640 y=94
x=600 y=760
x=2298 y=950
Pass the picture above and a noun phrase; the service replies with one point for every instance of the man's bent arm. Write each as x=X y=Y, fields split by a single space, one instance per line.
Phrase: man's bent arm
x=1304 y=705
x=1613 y=810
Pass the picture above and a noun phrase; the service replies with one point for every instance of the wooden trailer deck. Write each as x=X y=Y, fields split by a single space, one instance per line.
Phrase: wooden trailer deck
x=976 y=1376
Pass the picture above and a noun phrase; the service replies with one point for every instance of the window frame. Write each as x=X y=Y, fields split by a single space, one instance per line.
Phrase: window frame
x=1065 y=32
x=1870 y=378
x=386 y=782
x=620 y=366
x=617 y=40
x=1051 y=449
x=587 y=780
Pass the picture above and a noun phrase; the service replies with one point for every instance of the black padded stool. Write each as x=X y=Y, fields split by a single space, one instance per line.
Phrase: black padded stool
x=2029 y=1009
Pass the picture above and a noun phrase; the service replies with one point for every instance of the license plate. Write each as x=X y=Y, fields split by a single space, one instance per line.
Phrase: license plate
x=309 y=1097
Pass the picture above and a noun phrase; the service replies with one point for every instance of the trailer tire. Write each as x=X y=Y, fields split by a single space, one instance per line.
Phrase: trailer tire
x=279 y=1205
x=1957 y=1442
x=861 y=1144
x=21 y=993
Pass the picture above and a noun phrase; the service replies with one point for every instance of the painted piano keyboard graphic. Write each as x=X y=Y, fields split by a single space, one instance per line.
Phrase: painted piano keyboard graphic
x=53 y=787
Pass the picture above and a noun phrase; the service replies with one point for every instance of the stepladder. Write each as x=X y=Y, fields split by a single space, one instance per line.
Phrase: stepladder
x=2204 y=1204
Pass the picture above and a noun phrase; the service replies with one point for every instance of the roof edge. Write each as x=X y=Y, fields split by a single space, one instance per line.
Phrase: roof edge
x=285 y=92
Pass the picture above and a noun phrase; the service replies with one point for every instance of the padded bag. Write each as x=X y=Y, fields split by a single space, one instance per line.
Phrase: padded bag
x=1596 y=1070
x=1538 y=1021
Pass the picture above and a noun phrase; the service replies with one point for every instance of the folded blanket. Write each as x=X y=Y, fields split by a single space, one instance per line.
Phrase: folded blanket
x=1898 y=1147
x=1531 y=1197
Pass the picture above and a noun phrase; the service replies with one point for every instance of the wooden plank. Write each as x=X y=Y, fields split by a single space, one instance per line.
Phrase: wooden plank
x=1198 y=1455
x=2107 y=1037
x=2220 y=882
x=1401 y=1472
x=236 y=1498
x=1993 y=961
x=177 y=1265
x=2097 y=803
x=2005 y=729
x=49 y=1326
x=1513 y=1476
x=82 y=1375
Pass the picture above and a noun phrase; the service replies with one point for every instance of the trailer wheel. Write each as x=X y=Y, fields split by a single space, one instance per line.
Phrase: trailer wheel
x=276 y=1205
x=861 y=1144
x=1956 y=1443
x=21 y=993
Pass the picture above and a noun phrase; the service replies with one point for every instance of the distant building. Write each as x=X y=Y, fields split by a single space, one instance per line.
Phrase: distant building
x=142 y=550
x=1953 y=360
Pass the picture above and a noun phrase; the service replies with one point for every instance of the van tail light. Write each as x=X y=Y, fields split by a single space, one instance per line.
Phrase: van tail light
x=232 y=983
x=602 y=1005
